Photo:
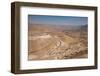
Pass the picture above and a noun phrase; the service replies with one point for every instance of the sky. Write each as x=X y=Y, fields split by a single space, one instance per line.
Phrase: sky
x=57 y=20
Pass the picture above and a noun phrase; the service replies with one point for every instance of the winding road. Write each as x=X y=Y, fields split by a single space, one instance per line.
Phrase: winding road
x=54 y=49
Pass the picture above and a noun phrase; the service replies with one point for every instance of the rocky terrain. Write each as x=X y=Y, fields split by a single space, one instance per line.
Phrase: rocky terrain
x=50 y=42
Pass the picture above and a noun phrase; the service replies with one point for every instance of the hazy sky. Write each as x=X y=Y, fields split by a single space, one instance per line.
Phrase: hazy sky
x=57 y=20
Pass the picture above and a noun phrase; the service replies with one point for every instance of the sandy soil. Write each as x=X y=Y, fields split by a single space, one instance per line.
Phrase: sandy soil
x=46 y=43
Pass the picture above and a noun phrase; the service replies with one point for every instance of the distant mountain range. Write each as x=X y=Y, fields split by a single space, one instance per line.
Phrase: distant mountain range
x=43 y=27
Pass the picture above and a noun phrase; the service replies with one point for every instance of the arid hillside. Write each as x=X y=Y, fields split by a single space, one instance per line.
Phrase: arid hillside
x=50 y=42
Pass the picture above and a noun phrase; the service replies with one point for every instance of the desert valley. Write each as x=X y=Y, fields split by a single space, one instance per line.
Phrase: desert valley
x=51 y=42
